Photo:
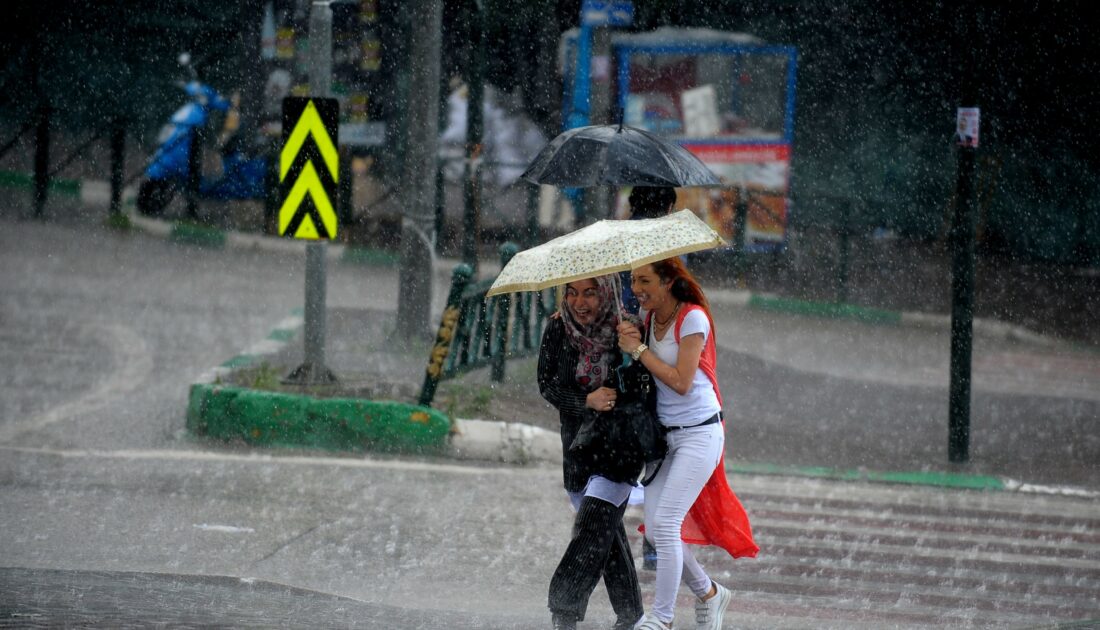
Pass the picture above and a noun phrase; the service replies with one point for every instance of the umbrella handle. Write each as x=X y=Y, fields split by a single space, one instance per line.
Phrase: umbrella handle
x=618 y=290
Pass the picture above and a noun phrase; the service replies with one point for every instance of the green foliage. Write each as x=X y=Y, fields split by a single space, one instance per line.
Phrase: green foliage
x=264 y=377
x=118 y=221
x=464 y=400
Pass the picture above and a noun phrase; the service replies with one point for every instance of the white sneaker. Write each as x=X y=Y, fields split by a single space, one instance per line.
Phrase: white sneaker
x=708 y=614
x=651 y=623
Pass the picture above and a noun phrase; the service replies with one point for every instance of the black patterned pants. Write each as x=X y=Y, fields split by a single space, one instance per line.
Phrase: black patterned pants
x=599 y=548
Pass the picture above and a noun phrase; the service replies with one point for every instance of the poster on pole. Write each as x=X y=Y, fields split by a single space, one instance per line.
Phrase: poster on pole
x=966 y=125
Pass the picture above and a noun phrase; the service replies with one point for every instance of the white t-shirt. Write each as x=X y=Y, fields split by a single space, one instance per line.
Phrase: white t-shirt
x=700 y=402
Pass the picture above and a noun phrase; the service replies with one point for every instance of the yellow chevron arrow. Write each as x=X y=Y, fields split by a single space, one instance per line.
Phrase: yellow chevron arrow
x=309 y=122
x=308 y=182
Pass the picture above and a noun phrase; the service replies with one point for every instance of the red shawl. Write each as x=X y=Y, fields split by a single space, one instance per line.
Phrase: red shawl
x=717 y=516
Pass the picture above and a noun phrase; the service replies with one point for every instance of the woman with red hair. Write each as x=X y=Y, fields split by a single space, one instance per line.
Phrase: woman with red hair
x=689 y=499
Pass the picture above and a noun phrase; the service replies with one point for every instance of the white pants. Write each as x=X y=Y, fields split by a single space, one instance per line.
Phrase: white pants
x=692 y=456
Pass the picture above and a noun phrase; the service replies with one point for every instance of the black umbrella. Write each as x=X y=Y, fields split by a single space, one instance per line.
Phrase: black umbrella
x=616 y=155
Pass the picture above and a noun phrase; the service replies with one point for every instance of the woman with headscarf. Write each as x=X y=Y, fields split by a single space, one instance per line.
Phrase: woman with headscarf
x=579 y=349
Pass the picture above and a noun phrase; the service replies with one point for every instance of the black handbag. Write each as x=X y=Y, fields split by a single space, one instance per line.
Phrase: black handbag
x=619 y=443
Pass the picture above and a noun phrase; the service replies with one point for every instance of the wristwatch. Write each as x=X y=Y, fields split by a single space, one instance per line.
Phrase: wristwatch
x=638 y=351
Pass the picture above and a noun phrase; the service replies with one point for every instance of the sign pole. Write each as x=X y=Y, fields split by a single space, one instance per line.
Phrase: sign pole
x=962 y=287
x=313 y=371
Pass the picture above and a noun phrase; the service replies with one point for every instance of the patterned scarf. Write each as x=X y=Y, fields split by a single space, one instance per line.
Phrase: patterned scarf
x=597 y=342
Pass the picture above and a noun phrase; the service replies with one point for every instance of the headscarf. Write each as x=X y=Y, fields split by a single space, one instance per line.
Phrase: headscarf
x=596 y=343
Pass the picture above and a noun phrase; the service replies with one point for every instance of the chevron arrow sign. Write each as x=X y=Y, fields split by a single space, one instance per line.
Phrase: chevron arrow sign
x=309 y=168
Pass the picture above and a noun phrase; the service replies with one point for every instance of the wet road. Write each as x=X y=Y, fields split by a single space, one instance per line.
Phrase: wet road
x=439 y=544
x=100 y=486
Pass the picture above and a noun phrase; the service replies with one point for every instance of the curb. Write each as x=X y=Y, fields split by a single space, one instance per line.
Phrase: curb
x=263 y=418
x=957 y=481
x=216 y=238
x=266 y=418
x=505 y=442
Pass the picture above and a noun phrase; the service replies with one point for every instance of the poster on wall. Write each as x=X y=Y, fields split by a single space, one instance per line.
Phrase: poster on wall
x=761 y=171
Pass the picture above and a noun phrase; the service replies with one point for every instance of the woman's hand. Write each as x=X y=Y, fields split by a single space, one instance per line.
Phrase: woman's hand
x=629 y=337
x=602 y=399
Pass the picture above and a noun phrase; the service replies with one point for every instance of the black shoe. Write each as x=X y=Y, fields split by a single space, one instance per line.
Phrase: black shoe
x=562 y=622
x=624 y=624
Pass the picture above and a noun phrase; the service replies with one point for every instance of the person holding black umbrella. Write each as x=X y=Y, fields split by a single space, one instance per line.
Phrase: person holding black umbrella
x=646 y=202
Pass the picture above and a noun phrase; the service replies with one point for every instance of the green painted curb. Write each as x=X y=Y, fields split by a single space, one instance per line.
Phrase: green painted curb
x=12 y=179
x=370 y=257
x=824 y=309
x=239 y=361
x=200 y=235
x=938 y=479
x=260 y=418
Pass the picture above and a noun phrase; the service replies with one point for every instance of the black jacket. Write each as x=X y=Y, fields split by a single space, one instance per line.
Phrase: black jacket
x=558 y=385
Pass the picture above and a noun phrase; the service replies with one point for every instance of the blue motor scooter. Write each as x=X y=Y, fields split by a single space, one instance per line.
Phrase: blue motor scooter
x=243 y=176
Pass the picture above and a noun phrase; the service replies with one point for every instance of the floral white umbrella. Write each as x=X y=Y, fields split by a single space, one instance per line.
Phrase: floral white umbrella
x=604 y=247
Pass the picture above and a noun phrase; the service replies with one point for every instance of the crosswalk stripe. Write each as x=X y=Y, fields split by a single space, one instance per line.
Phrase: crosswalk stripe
x=858 y=555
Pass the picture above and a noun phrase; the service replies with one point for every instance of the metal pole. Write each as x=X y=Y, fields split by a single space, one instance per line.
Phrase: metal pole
x=419 y=169
x=962 y=256
x=471 y=187
x=579 y=110
x=962 y=307
x=313 y=370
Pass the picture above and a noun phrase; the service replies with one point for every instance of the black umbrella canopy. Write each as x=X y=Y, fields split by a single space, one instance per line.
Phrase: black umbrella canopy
x=616 y=155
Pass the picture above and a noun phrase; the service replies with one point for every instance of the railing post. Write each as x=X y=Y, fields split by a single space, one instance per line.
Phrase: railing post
x=194 y=172
x=41 y=159
x=271 y=194
x=532 y=233
x=845 y=251
x=343 y=198
x=118 y=154
x=740 y=220
x=460 y=277
x=440 y=206
x=503 y=310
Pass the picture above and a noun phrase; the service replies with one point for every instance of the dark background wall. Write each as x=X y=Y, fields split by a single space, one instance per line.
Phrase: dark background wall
x=878 y=86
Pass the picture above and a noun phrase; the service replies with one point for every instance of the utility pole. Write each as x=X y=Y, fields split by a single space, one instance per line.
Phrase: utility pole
x=471 y=186
x=962 y=255
x=418 y=180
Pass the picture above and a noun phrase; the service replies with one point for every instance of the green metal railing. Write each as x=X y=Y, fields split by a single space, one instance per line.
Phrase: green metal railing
x=476 y=332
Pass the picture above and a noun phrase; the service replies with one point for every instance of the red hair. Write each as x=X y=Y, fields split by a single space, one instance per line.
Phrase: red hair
x=682 y=284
